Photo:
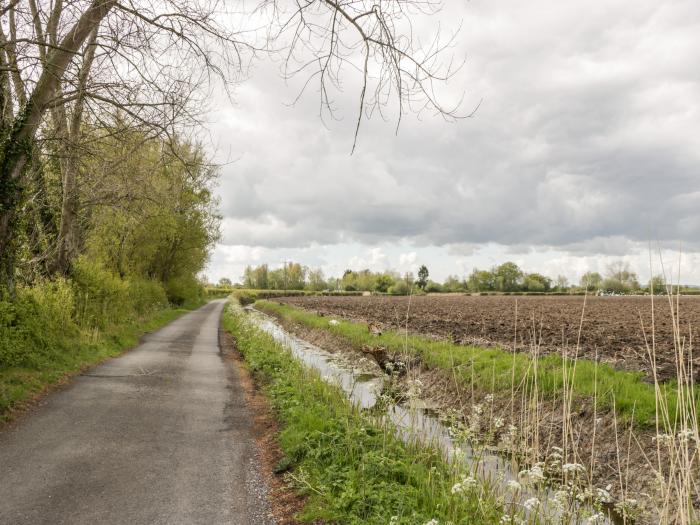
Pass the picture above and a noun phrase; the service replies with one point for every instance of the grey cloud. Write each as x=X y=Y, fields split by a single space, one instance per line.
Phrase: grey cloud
x=586 y=140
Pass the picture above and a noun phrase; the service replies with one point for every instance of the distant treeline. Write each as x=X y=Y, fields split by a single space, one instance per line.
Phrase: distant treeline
x=504 y=278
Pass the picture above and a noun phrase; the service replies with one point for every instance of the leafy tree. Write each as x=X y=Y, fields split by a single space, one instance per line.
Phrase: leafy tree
x=453 y=284
x=591 y=281
x=383 y=282
x=422 y=277
x=433 y=287
x=657 y=284
x=535 y=282
x=481 y=281
x=507 y=277
x=620 y=278
x=316 y=280
x=225 y=282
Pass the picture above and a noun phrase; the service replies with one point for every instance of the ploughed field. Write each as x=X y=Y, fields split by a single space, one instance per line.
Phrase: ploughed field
x=612 y=326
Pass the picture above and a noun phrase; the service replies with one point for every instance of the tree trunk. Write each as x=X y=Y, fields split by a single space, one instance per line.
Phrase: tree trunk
x=69 y=232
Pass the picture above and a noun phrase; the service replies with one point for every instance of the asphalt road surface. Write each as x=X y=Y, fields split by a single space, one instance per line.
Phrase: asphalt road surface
x=161 y=435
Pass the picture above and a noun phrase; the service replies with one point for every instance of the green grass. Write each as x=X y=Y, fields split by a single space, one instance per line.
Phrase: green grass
x=352 y=469
x=492 y=368
x=73 y=353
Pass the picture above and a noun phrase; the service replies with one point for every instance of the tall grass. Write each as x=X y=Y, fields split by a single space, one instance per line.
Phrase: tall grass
x=562 y=452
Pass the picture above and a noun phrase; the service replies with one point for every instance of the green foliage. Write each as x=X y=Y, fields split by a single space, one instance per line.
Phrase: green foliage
x=102 y=297
x=351 y=468
x=534 y=282
x=433 y=287
x=53 y=328
x=591 y=281
x=400 y=287
x=423 y=274
x=184 y=290
x=620 y=279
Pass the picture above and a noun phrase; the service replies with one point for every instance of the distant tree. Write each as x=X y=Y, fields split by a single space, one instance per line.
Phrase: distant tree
x=433 y=287
x=225 y=282
x=657 y=284
x=620 y=278
x=535 y=282
x=591 y=281
x=508 y=277
x=249 y=277
x=481 y=281
x=316 y=280
x=400 y=287
x=453 y=284
x=562 y=283
x=383 y=282
x=422 y=277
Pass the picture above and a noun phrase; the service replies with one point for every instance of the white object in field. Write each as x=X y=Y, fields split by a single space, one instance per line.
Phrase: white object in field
x=333 y=322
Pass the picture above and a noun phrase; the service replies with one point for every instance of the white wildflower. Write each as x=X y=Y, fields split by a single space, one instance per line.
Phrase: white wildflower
x=531 y=504
x=685 y=435
x=505 y=519
x=432 y=522
x=603 y=495
x=598 y=517
x=513 y=485
x=333 y=322
x=498 y=423
x=664 y=439
x=534 y=474
x=466 y=484
x=489 y=398
x=573 y=468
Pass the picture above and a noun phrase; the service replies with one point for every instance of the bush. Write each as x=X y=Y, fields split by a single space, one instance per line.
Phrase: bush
x=147 y=296
x=400 y=288
x=102 y=297
x=183 y=291
x=38 y=322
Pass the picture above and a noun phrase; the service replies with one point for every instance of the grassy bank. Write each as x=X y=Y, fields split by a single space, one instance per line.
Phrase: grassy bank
x=496 y=370
x=55 y=328
x=351 y=468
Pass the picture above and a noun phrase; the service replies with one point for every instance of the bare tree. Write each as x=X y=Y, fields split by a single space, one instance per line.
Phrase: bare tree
x=145 y=62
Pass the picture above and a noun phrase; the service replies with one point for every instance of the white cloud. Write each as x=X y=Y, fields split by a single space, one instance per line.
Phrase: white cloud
x=584 y=148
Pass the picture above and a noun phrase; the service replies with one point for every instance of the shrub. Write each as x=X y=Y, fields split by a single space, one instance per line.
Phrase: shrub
x=400 y=287
x=38 y=322
x=102 y=297
x=183 y=291
x=146 y=295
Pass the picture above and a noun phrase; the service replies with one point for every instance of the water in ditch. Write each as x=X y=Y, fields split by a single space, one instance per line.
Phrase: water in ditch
x=414 y=424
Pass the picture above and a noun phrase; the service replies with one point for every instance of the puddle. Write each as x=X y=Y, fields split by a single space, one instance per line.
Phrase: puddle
x=415 y=424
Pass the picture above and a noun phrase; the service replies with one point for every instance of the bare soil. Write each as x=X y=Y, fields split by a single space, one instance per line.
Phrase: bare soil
x=616 y=330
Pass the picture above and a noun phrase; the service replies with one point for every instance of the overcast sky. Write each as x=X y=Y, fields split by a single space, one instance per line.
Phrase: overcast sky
x=585 y=147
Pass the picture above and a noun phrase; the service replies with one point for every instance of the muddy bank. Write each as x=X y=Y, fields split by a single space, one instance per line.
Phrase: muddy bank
x=611 y=327
x=527 y=428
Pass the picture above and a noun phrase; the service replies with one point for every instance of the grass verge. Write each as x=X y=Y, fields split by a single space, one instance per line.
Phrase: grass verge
x=493 y=369
x=19 y=384
x=351 y=468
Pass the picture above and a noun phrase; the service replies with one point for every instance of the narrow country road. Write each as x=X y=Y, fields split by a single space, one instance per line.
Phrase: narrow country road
x=161 y=435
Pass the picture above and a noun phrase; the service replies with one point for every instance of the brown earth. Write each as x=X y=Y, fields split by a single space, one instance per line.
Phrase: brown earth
x=618 y=330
